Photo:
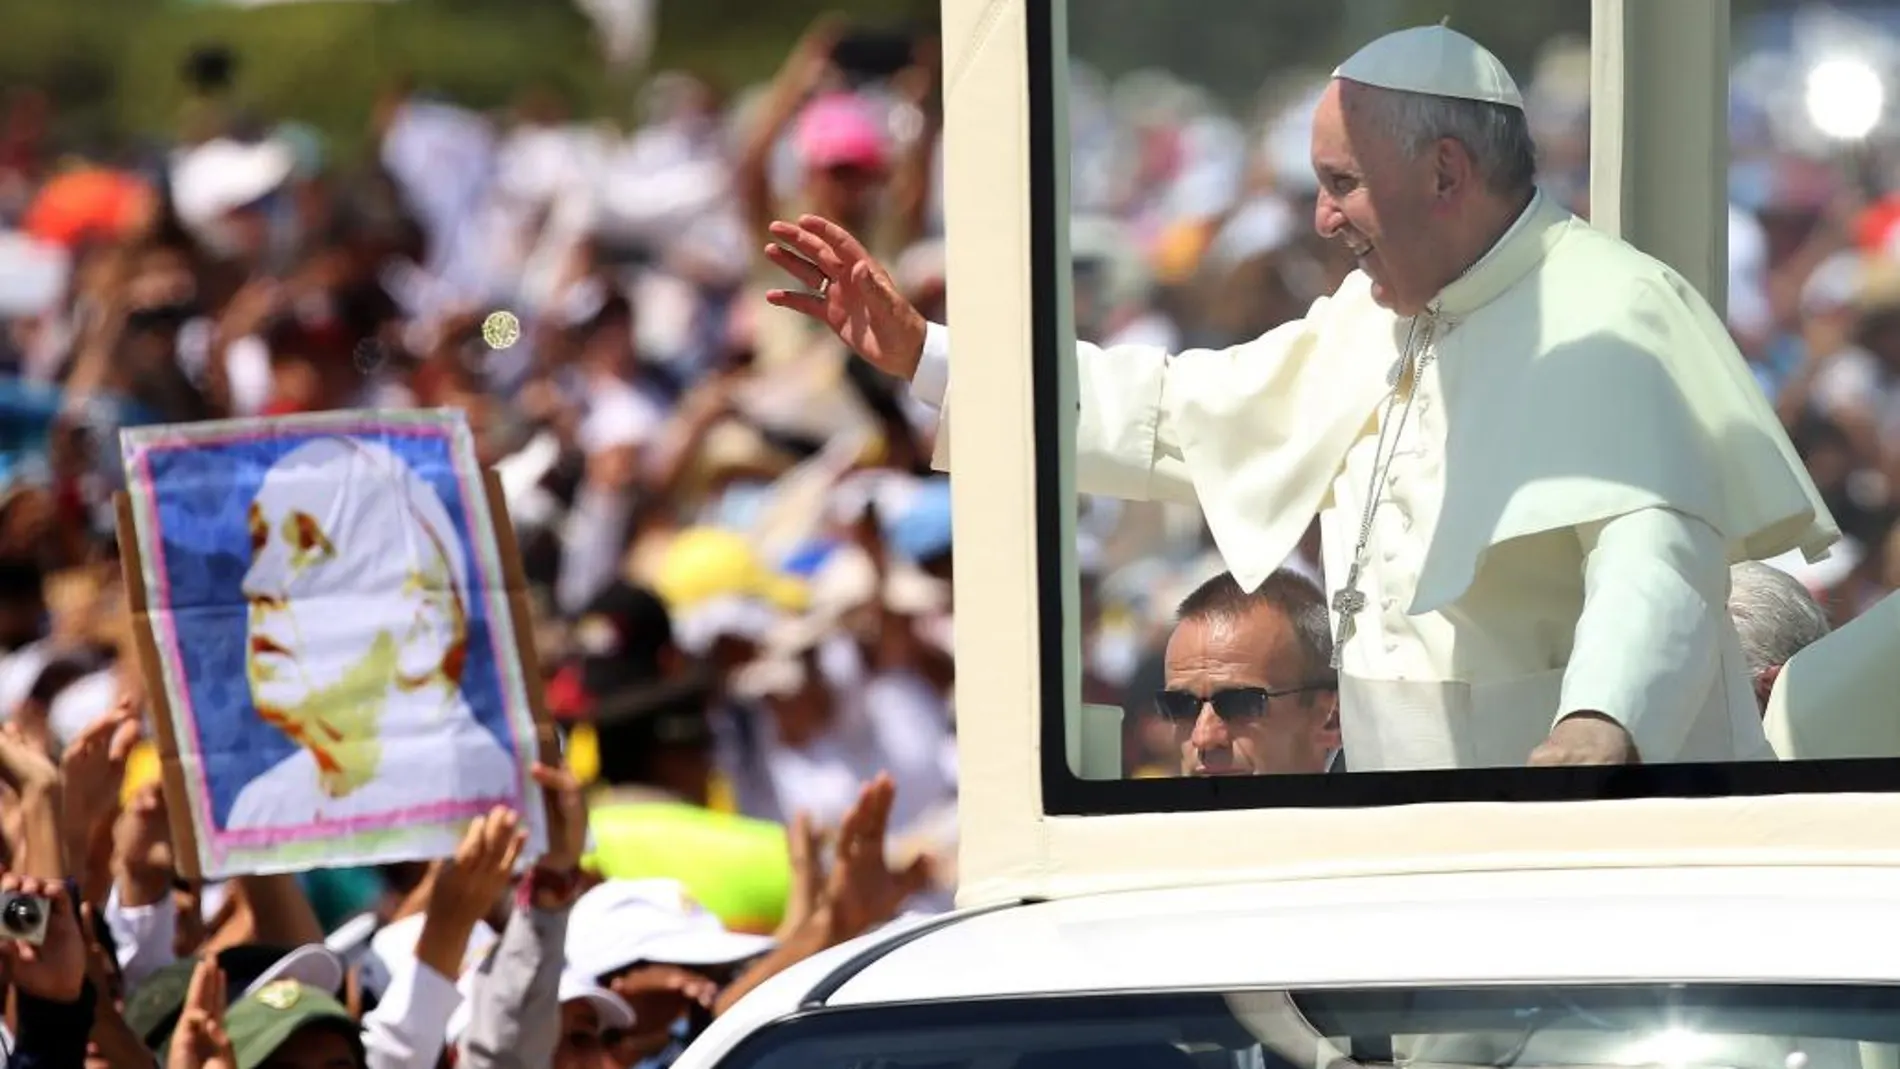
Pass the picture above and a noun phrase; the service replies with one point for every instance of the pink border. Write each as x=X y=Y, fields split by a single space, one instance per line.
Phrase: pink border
x=222 y=842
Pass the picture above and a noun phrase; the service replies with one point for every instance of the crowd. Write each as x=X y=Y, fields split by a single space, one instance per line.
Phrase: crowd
x=739 y=556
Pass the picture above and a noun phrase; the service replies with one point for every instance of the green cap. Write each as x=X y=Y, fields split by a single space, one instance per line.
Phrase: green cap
x=263 y=1021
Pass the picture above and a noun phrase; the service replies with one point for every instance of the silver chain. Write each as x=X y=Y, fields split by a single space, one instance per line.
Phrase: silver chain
x=1349 y=602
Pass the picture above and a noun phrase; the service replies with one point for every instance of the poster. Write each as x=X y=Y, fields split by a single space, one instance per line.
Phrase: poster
x=332 y=622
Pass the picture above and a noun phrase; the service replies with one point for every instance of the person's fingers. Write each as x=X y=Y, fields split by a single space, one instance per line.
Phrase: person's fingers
x=812 y=246
x=199 y=991
x=844 y=246
x=550 y=779
x=125 y=739
x=916 y=876
x=511 y=856
x=802 y=303
x=806 y=272
x=471 y=845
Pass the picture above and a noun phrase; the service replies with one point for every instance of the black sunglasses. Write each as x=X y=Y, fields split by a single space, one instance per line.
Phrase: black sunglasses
x=1234 y=703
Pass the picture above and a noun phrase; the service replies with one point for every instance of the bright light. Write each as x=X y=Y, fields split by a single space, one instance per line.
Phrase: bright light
x=1845 y=98
x=1673 y=1048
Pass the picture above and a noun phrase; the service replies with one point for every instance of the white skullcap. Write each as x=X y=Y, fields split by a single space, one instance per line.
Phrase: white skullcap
x=1434 y=60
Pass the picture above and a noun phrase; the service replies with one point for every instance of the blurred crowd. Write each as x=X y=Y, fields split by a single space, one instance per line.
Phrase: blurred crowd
x=738 y=555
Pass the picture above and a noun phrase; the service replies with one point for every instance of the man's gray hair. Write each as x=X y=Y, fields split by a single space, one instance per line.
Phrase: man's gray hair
x=1497 y=136
x=1774 y=614
x=1296 y=597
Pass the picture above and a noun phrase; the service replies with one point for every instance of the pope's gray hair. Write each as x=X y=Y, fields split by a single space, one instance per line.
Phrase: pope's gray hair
x=1774 y=614
x=1497 y=136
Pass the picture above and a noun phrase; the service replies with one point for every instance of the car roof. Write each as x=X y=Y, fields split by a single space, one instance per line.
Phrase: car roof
x=1804 y=924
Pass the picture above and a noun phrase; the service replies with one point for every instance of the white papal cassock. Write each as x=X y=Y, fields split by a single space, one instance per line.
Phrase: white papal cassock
x=1586 y=454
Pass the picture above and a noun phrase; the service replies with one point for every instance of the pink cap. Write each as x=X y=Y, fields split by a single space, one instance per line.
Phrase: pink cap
x=839 y=130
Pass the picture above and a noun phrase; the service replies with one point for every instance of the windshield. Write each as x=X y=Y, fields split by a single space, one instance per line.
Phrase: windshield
x=1680 y=1026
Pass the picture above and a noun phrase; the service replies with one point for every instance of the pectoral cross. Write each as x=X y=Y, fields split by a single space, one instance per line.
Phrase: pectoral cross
x=1348 y=603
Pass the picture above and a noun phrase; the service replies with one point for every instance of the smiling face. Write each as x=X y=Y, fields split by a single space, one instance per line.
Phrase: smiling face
x=1393 y=211
x=352 y=591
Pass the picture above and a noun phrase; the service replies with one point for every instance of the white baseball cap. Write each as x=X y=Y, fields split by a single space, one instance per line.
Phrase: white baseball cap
x=629 y=922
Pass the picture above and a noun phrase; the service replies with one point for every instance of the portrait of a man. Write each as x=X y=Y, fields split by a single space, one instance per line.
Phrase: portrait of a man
x=330 y=612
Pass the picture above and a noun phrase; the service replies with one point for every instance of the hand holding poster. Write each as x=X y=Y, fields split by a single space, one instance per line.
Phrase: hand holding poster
x=331 y=618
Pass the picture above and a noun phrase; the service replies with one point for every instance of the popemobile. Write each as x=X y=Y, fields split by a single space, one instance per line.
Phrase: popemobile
x=1743 y=916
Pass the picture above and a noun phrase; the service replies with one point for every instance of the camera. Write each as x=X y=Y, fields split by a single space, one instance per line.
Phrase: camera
x=23 y=917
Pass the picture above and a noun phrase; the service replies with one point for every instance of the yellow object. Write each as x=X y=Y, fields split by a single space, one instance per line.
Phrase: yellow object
x=706 y=562
x=141 y=768
x=583 y=753
x=737 y=867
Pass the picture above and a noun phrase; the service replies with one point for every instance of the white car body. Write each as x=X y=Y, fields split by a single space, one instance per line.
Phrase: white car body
x=1786 y=925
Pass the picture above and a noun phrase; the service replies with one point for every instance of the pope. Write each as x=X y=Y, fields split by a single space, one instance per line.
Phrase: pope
x=1533 y=450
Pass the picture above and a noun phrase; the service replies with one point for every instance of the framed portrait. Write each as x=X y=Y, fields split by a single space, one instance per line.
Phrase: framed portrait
x=333 y=624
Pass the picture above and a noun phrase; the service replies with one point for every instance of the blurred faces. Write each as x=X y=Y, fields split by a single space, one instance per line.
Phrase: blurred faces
x=316 y=1047
x=1234 y=729
x=584 y=1044
x=1407 y=221
x=846 y=192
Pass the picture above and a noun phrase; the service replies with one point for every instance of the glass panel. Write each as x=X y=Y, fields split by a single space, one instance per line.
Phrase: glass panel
x=1198 y=140
x=1675 y=1025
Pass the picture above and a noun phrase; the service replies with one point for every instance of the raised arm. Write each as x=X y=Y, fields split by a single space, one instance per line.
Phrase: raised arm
x=1126 y=444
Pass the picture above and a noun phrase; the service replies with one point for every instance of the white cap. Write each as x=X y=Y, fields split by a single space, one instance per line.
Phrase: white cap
x=314 y=965
x=225 y=175
x=1434 y=60
x=630 y=922
x=82 y=703
x=726 y=616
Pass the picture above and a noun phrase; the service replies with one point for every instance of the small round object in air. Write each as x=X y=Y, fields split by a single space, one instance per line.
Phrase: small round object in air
x=501 y=330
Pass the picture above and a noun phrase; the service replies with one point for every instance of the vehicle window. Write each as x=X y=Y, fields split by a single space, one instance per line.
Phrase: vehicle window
x=1679 y=1026
x=1249 y=636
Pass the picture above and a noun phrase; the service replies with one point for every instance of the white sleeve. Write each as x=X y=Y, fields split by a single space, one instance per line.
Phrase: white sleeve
x=930 y=383
x=1122 y=444
x=1648 y=644
x=144 y=935
x=410 y=1026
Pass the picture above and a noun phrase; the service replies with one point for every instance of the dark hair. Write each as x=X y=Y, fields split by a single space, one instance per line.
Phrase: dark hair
x=1292 y=595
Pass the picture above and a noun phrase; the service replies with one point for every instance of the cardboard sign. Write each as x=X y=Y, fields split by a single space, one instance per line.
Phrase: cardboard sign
x=334 y=628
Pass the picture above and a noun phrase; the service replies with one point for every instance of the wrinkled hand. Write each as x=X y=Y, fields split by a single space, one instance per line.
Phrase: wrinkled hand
x=93 y=768
x=567 y=819
x=199 y=1041
x=862 y=307
x=862 y=891
x=55 y=970
x=1587 y=739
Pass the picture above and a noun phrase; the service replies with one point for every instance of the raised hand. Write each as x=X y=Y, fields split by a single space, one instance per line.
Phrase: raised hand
x=849 y=292
x=467 y=887
x=862 y=890
x=567 y=819
x=199 y=1041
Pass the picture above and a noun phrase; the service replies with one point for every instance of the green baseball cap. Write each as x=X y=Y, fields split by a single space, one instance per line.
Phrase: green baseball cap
x=265 y=1020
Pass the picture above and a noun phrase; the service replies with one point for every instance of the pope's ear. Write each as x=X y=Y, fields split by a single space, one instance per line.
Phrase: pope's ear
x=1453 y=167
